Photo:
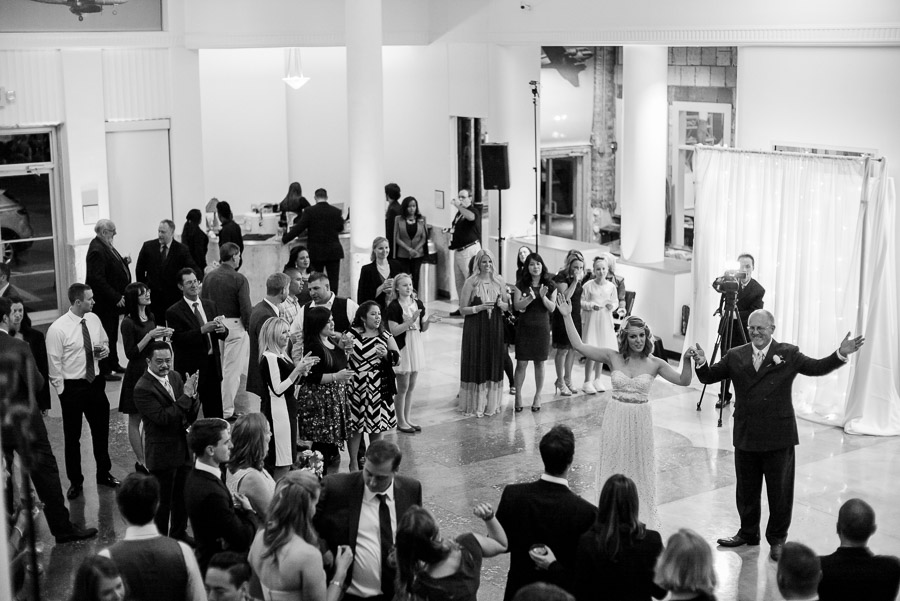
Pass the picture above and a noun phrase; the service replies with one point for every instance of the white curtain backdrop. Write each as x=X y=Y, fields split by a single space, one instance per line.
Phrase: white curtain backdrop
x=802 y=218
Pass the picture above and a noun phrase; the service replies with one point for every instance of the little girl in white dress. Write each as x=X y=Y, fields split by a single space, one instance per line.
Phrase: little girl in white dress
x=598 y=300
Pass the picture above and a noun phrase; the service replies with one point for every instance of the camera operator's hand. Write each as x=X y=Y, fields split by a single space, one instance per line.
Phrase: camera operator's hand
x=698 y=355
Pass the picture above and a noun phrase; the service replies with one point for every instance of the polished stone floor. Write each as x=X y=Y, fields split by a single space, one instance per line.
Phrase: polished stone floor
x=463 y=461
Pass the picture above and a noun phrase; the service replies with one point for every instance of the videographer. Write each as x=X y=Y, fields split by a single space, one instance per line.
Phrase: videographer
x=749 y=299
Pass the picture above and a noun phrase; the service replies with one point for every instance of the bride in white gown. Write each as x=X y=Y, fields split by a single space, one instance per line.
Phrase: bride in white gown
x=626 y=436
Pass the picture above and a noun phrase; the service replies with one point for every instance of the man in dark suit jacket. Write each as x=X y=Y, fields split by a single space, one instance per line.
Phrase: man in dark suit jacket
x=22 y=372
x=195 y=341
x=325 y=224
x=168 y=405
x=158 y=265
x=107 y=275
x=277 y=286
x=765 y=429
x=546 y=513
x=350 y=511
x=217 y=523
x=853 y=569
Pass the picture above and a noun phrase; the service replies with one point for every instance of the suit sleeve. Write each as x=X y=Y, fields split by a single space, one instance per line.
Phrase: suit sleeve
x=140 y=269
x=585 y=588
x=149 y=406
x=365 y=290
x=96 y=278
x=816 y=367
x=324 y=518
x=37 y=380
x=235 y=527
x=298 y=228
x=754 y=302
x=709 y=374
x=187 y=333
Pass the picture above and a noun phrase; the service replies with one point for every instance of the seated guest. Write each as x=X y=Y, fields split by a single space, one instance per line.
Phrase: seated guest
x=853 y=567
x=97 y=579
x=618 y=554
x=430 y=567
x=250 y=436
x=285 y=553
x=685 y=568
x=215 y=521
x=153 y=566
x=541 y=591
x=227 y=577
x=799 y=573
x=376 y=279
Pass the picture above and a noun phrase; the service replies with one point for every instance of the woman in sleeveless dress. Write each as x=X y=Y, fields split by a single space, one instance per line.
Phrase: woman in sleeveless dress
x=626 y=436
x=597 y=303
x=250 y=436
x=535 y=300
x=568 y=283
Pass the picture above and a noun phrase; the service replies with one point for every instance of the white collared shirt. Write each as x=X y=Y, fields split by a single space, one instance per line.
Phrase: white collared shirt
x=199 y=465
x=199 y=304
x=275 y=307
x=65 y=348
x=5 y=286
x=764 y=351
x=555 y=480
x=367 y=558
x=297 y=325
x=165 y=383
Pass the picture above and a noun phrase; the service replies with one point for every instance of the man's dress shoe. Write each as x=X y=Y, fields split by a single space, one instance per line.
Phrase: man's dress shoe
x=737 y=541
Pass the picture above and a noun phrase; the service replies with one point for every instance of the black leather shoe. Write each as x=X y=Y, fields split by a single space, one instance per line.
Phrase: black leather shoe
x=737 y=541
x=111 y=377
x=74 y=491
x=775 y=552
x=76 y=534
x=455 y=313
x=108 y=480
x=720 y=403
x=118 y=369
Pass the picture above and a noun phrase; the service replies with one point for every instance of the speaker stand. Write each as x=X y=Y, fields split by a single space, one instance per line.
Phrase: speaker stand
x=500 y=238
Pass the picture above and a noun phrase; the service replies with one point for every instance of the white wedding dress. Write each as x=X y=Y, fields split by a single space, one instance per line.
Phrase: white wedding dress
x=626 y=441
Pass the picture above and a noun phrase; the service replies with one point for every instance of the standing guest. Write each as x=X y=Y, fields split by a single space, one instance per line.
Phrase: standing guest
x=291 y=306
x=325 y=224
x=853 y=567
x=618 y=554
x=75 y=343
x=20 y=328
x=431 y=567
x=568 y=286
x=195 y=238
x=410 y=238
x=230 y=231
x=343 y=310
x=228 y=577
x=547 y=513
x=362 y=510
x=168 y=405
x=97 y=579
x=799 y=573
x=158 y=265
x=230 y=292
x=285 y=553
x=376 y=279
x=465 y=241
x=218 y=518
x=277 y=285
x=597 y=304
x=685 y=568
x=373 y=386
x=407 y=322
x=152 y=565
x=616 y=280
x=535 y=300
x=45 y=471
x=294 y=201
x=392 y=197
x=521 y=257
x=250 y=438
x=108 y=274
x=299 y=259
x=483 y=301
x=138 y=331
x=279 y=376
x=765 y=429
x=322 y=398
x=6 y=288
x=195 y=336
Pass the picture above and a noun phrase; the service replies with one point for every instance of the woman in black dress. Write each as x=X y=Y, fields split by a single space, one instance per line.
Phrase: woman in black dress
x=429 y=567
x=299 y=259
x=195 y=239
x=376 y=279
x=535 y=299
x=616 y=557
x=410 y=238
x=568 y=284
x=685 y=568
x=138 y=330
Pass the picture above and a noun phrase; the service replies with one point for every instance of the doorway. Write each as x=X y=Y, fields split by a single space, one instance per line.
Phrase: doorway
x=565 y=185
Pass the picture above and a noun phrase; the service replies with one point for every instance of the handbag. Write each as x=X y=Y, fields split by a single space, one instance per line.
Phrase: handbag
x=430 y=249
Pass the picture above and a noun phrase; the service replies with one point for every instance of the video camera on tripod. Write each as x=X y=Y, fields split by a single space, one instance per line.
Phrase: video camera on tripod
x=729 y=282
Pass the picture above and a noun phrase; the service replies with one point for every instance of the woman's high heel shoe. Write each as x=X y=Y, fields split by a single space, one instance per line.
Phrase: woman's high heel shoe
x=562 y=388
x=572 y=387
x=536 y=403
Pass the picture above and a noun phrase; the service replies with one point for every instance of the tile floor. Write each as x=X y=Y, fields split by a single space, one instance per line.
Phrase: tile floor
x=462 y=461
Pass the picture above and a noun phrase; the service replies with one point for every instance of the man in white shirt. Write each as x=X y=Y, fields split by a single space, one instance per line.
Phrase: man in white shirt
x=75 y=344
x=343 y=310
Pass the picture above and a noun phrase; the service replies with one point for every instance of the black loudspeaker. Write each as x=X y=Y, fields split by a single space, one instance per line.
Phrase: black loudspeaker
x=495 y=166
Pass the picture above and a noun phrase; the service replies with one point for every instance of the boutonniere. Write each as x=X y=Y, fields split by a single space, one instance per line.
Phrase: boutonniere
x=777 y=360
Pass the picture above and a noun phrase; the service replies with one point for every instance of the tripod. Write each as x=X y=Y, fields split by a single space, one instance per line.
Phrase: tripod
x=724 y=339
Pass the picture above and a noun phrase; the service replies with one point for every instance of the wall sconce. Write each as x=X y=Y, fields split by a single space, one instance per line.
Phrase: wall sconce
x=613 y=146
x=6 y=97
x=293 y=75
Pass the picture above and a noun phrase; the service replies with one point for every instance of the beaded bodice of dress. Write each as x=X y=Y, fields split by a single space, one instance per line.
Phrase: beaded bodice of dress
x=631 y=390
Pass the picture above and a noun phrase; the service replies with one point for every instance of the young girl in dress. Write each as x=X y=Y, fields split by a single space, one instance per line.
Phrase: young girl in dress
x=407 y=322
x=598 y=300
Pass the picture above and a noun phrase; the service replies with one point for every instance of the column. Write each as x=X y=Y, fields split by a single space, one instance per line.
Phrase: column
x=365 y=124
x=644 y=79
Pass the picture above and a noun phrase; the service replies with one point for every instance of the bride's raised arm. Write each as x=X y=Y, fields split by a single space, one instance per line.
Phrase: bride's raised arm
x=668 y=372
x=564 y=306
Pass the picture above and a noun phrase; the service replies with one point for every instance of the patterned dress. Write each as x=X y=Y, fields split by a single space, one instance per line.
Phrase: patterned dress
x=481 y=357
x=322 y=408
x=371 y=402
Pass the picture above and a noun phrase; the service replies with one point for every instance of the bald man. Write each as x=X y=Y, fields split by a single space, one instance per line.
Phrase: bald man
x=107 y=275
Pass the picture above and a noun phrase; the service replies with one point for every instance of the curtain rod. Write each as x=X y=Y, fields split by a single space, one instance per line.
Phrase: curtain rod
x=786 y=153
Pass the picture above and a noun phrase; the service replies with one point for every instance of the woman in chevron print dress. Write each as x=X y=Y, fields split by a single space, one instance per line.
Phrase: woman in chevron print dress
x=373 y=386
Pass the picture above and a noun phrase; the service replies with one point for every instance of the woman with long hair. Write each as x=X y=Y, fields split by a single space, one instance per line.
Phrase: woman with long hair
x=410 y=238
x=430 y=567
x=535 y=300
x=298 y=259
x=407 y=322
x=568 y=284
x=482 y=302
x=97 y=579
x=521 y=256
x=285 y=553
x=294 y=201
x=250 y=436
x=195 y=238
x=626 y=435
x=373 y=388
x=322 y=396
x=616 y=557
x=685 y=568
x=138 y=330
x=376 y=279
x=597 y=303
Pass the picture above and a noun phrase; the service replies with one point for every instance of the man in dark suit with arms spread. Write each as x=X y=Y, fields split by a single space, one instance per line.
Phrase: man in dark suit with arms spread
x=107 y=275
x=765 y=428
x=158 y=265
